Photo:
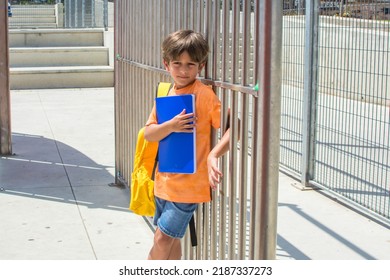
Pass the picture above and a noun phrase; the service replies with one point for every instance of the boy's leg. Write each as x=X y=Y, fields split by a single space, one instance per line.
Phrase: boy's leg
x=164 y=247
x=176 y=250
x=173 y=218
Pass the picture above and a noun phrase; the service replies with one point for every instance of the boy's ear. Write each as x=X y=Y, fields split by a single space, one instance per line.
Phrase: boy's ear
x=166 y=65
x=201 y=66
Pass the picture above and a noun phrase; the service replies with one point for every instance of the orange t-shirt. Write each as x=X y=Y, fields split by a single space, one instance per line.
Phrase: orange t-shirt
x=192 y=188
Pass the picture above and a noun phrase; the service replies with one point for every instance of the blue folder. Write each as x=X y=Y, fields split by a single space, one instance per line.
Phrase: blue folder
x=177 y=151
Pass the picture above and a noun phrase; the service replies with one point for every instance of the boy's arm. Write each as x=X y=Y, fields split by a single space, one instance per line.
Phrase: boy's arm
x=180 y=123
x=219 y=150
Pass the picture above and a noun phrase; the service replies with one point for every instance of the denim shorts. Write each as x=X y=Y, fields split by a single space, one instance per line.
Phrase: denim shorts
x=172 y=218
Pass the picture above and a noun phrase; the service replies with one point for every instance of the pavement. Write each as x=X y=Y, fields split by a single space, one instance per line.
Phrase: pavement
x=57 y=201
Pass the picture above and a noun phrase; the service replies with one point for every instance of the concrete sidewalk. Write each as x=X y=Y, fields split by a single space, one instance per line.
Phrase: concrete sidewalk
x=56 y=202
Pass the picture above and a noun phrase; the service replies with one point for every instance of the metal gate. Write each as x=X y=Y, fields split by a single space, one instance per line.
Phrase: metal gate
x=335 y=107
x=245 y=40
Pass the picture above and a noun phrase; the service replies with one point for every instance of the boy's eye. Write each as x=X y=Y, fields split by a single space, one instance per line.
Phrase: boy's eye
x=178 y=64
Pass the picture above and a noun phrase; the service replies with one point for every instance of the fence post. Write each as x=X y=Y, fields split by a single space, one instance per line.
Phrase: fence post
x=5 y=106
x=267 y=133
x=310 y=92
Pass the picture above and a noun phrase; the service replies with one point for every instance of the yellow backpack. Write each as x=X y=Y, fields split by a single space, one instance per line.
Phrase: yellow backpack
x=145 y=161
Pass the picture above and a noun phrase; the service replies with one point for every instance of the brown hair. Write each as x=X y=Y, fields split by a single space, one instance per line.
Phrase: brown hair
x=185 y=40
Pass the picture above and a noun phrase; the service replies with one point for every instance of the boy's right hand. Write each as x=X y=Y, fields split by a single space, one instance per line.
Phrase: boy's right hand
x=183 y=122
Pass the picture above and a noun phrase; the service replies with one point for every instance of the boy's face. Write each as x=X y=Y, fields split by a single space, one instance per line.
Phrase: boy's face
x=183 y=70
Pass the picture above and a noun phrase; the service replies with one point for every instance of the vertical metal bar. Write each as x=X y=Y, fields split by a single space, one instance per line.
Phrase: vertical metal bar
x=5 y=100
x=155 y=34
x=66 y=8
x=194 y=14
x=119 y=86
x=243 y=132
x=73 y=13
x=94 y=14
x=253 y=242
x=208 y=216
x=224 y=166
x=179 y=16
x=185 y=12
x=76 y=13
x=208 y=35
x=82 y=24
x=200 y=222
x=234 y=153
x=253 y=223
x=70 y=12
x=201 y=19
x=78 y=17
x=267 y=158
x=65 y=11
x=105 y=14
x=141 y=42
x=310 y=92
x=117 y=31
x=214 y=37
x=129 y=86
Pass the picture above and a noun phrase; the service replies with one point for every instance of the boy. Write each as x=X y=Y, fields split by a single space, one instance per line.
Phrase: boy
x=177 y=195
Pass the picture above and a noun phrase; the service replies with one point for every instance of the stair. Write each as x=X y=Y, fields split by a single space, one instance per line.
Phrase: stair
x=59 y=58
x=33 y=16
x=55 y=37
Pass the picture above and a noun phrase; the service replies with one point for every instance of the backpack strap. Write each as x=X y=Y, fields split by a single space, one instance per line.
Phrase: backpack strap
x=194 y=240
x=163 y=89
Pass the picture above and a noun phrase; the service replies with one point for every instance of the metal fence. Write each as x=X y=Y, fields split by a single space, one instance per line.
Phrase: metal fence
x=335 y=118
x=336 y=98
x=59 y=14
x=86 y=13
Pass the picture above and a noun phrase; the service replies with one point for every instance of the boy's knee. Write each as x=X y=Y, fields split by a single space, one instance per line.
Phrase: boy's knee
x=162 y=239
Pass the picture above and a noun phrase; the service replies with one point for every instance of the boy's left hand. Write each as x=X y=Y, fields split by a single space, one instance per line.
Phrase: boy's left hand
x=214 y=173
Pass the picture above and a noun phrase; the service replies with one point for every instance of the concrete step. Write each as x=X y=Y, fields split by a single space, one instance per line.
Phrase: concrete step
x=33 y=23
x=35 y=19
x=61 y=77
x=55 y=37
x=34 y=26
x=27 y=11
x=58 y=56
